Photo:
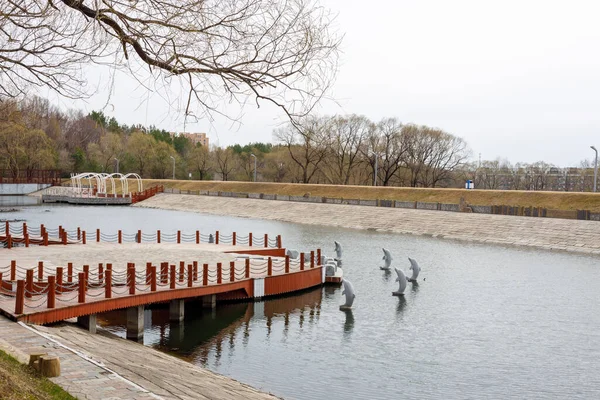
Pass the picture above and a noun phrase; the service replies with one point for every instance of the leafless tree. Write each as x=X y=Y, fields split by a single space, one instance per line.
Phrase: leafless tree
x=388 y=141
x=283 y=52
x=306 y=142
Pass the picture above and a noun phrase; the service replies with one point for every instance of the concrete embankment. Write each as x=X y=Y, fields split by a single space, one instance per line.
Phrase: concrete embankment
x=546 y=233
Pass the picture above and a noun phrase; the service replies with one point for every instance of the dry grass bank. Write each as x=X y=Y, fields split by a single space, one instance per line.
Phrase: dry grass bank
x=18 y=381
x=550 y=200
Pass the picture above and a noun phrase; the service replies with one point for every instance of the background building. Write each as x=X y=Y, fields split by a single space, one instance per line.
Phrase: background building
x=194 y=137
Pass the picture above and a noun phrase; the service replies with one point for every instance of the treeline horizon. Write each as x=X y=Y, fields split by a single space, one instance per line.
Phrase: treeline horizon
x=343 y=149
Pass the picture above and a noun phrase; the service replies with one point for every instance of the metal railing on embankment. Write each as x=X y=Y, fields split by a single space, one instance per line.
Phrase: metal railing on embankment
x=32 y=291
x=42 y=236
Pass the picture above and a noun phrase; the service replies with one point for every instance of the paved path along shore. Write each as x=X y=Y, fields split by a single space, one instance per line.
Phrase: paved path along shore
x=139 y=372
x=547 y=233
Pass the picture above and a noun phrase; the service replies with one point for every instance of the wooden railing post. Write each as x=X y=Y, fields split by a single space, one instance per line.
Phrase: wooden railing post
x=20 y=297
x=13 y=270
x=318 y=260
x=29 y=283
x=233 y=239
x=148 y=269
x=8 y=241
x=266 y=240
x=6 y=228
x=197 y=237
x=205 y=275
x=40 y=271
x=219 y=273
x=278 y=241
x=139 y=236
x=217 y=237
x=181 y=270
x=301 y=261
x=247 y=268
x=173 y=276
x=153 y=279
x=108 y=283
x=81 y=288
x=98 y=235
x=131 y=278
x=86 y=275
x=59 y=280
x=190 y=277
x=24 y=228
x=270 y=267
x=51 y=292
x=69 y=272
x=83 y=237
x=158 y=236
x=195 y=264
x=100 y=273
x=250 y=239
x=64 y=237
x=164 y=273
x=78 y=233
x=178 y=237
x=45 y=239
x=232 y=271
x=312 y=259
x=120 y=236
x=287 y=264
x=26 y=238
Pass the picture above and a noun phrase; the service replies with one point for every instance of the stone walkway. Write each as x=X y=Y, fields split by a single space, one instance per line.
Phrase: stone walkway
x=132 y=371
x=546 y=233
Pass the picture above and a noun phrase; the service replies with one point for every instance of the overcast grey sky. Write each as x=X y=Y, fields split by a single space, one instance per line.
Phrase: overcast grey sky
x=516 y=79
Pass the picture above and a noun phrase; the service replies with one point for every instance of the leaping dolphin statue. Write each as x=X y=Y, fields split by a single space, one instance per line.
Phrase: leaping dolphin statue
x=415 y=270
x=387 y=257
x=338 y=250
x=401 y=279
x=294 y=254
x=349 y=292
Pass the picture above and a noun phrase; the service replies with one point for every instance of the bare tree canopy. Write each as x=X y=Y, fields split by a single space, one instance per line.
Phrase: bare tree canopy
x=219 y=51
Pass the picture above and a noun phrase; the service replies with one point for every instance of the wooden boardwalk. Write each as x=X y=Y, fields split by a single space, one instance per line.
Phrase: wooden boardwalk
x=106 y=276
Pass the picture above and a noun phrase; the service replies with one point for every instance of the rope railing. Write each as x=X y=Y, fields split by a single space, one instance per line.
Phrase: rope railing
x=102 y=281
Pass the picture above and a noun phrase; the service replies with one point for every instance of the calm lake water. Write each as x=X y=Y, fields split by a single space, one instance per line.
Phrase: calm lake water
x=483 y=322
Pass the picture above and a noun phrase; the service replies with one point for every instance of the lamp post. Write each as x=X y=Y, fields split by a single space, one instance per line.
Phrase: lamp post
x=595 y=167
x=252 y=155
x=377 y=155
x=117 y=164
x=173 y=158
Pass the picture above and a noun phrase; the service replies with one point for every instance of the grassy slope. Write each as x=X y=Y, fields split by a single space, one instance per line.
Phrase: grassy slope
x=18 y=381
x=550 y=200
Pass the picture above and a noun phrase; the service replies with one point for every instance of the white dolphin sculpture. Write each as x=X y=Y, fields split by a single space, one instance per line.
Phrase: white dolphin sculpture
x=401 y=279
x=387 y=257
x=415 y=270
x=294 y=254
x=338 y=250
x=349 y=292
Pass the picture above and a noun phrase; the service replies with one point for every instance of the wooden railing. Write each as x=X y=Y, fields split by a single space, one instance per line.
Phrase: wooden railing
x=44 y=176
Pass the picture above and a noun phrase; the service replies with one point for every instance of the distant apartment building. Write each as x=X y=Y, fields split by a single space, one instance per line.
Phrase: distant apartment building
x=195 y=138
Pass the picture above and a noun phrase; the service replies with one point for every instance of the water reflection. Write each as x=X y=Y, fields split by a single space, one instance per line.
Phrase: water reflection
x=401 y=305
x=205 y=332
x=415 y=287
x=348 y=323
x=387 y=274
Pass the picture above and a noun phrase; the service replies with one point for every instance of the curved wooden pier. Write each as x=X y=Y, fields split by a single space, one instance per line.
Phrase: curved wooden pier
x=53 y=292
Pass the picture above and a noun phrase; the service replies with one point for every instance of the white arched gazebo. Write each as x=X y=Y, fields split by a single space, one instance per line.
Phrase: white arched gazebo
x=101 y=182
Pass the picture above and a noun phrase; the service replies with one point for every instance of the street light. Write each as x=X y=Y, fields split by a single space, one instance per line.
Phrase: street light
x=595 y=167
x=377 y=155
x=173 y=158
x=252 y=155
x=117 y=164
